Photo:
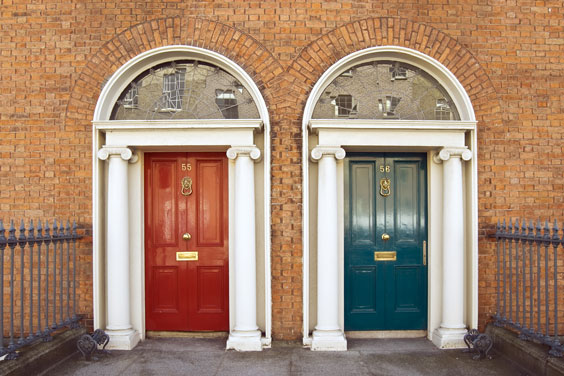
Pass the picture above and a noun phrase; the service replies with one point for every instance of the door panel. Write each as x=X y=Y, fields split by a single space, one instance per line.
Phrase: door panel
x=407 y=298
x=166 y=281
x=390 y=294
x=405 y=201
x=210 y=277
x=210 y=204
x=362 y=204
x=186 y=295
x=165 y=231
x=366 y=300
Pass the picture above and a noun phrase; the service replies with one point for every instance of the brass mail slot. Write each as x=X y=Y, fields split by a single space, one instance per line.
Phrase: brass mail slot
x=385 y=256
x=186 y=256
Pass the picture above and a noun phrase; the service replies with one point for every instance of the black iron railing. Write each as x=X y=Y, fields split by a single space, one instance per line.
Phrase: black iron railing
x=527 y=281
x=37 y=283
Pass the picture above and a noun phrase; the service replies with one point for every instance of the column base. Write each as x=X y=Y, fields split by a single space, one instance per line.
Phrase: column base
x=445 y=338
x=122 y=339
x=328 y=340
x=244 y=341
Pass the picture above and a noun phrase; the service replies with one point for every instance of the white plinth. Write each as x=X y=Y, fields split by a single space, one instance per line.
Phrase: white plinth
x=244 y=341
x=449 y=338
x=328 y=341
x=122 y=339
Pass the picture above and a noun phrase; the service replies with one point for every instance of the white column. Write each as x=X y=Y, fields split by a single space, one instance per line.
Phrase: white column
x=118 y=323
x=453 y=327
x=245 y=335
x=327 y=336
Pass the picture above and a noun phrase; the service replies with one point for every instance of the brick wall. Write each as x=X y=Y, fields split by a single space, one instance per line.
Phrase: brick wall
x=508 y=55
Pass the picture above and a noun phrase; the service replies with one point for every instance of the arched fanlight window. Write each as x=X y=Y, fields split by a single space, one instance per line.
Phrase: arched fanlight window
x=385 y=90
x=185 y=89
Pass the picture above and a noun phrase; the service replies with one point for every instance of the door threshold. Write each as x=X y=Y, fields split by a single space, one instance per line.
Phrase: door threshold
x=386 y=334
x=166 y=334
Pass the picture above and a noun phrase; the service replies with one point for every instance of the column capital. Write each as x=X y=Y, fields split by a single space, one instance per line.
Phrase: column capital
x=124 y=152
x=319 y=151
x=252 y=151
x=446 y=153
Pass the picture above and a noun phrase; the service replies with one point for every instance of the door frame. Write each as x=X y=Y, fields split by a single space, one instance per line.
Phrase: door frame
x=169 y=136
x=356 y=135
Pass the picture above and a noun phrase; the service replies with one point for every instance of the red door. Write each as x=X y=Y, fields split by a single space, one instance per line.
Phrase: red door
x=186 y=242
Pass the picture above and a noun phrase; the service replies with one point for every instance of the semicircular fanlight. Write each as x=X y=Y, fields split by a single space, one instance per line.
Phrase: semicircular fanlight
x=185 y=89
x=383 y=90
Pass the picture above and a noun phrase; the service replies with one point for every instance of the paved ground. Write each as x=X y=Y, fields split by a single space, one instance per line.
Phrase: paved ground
x=201 y=357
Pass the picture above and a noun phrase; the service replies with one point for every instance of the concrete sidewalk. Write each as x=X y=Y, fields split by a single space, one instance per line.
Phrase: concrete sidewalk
x=201 y=357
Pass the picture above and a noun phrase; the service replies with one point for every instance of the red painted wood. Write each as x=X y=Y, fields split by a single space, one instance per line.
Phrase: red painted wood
x=186 y=295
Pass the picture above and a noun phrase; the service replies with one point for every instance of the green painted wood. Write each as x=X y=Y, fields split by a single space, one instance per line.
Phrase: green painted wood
x=385 y=295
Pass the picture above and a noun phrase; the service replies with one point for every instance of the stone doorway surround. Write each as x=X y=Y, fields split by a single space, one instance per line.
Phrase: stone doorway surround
x=118 y=226
x=452 y=202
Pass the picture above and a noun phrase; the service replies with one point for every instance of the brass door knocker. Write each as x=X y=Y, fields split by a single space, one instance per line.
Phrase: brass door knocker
x=385 y=187
x=186 y=186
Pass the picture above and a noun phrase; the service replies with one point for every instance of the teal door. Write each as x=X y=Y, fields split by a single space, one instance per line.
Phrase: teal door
x=385 y=241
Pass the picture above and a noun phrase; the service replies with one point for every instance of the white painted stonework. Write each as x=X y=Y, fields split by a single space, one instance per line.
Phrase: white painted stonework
x=245 y=336
x=452 y=202
x=328 y=335
x=122 y=335
x=118 y=209
x=453 y=328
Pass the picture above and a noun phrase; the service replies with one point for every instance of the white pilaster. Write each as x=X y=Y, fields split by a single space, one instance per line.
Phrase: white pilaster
x=245 y=335
x=452 y=330
x=122 y=335
x=327 y=336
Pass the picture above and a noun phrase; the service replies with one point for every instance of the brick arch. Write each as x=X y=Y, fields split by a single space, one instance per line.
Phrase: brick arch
x=319 y=55
x=236 y=45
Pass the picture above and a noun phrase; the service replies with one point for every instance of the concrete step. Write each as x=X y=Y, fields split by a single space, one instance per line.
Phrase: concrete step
x=36 y=358
x=531 y=356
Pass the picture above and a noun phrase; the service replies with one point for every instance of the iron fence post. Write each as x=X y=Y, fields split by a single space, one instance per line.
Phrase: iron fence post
x=555 y=351
x=31 y=240
x=530 y=238
x=74 y=237
x=523 y=273
x=61 y=278
x=48 y=241
x=517 y=248
x=22 y=242
x=67 y=236
x=546 y=238
x=39 y=240
x=12 y=241
x=538 y=241
x=510 y=319
x=55 y=242
x=497 y=274
x=3 y=243
x=504 y=274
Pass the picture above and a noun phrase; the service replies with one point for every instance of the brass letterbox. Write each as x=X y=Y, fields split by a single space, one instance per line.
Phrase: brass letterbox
x=186 y=256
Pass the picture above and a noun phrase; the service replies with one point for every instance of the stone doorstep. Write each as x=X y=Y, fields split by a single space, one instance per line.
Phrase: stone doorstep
x=37 y=358
x=531 y=356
